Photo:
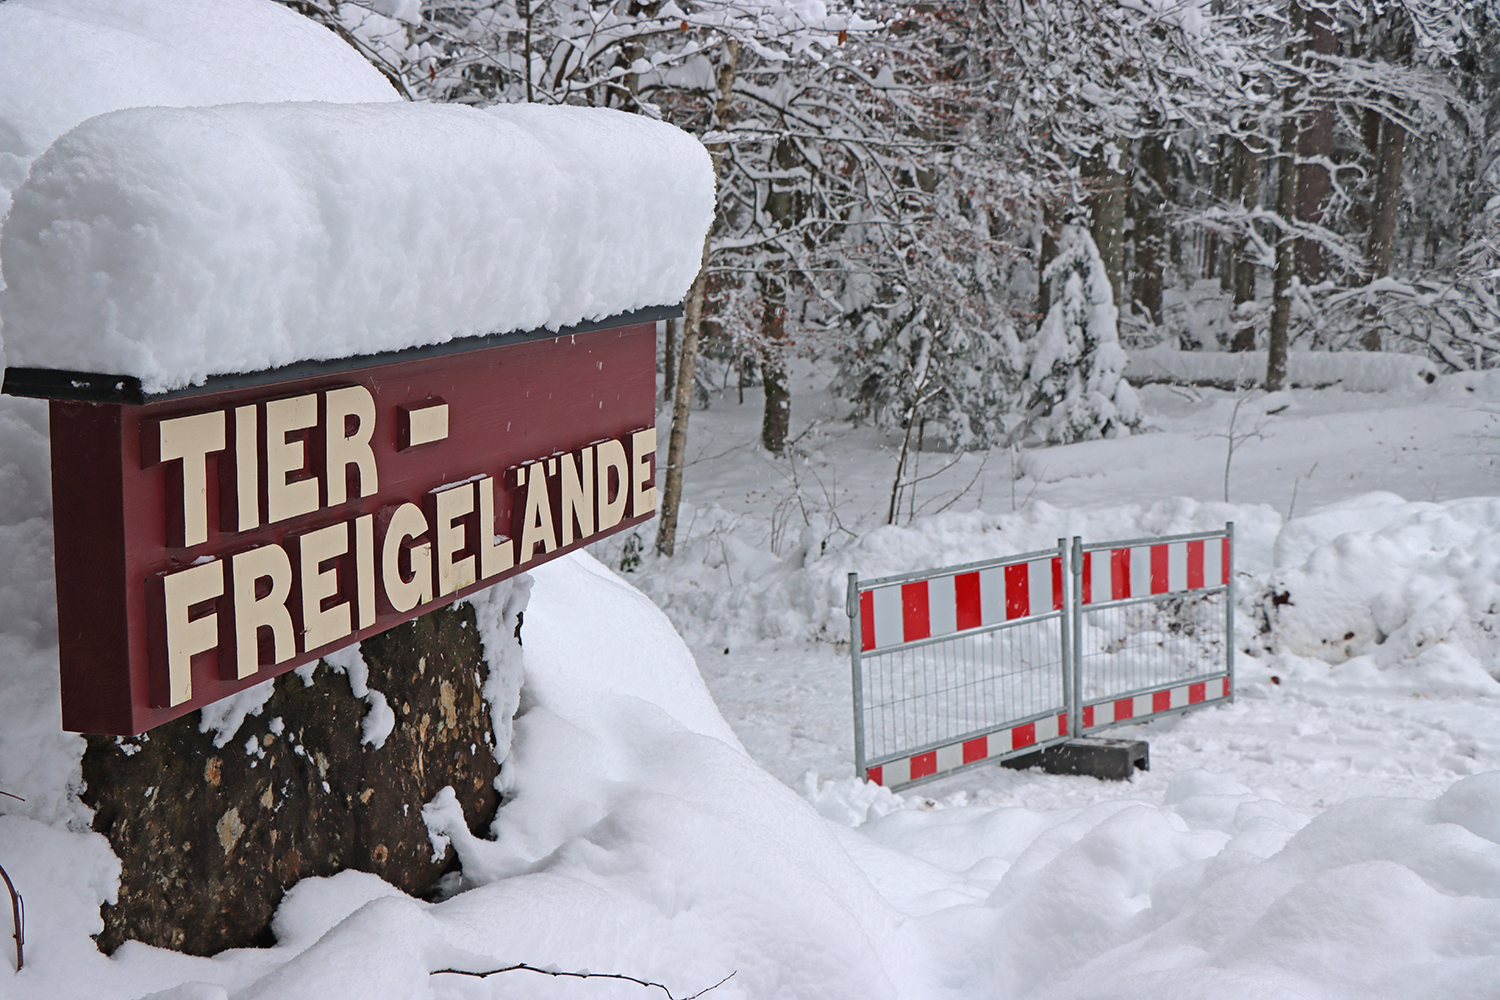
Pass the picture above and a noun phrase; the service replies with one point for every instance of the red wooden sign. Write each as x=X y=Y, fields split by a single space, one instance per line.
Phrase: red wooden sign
x=207 y=542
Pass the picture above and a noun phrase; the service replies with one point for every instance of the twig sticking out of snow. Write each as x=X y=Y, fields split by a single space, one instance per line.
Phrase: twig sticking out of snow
x=523 y=967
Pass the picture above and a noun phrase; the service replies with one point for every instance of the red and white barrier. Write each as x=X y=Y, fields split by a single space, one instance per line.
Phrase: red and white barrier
x=945 y=605
x=1149 y=570
x=1140 y=707
x=994 y=746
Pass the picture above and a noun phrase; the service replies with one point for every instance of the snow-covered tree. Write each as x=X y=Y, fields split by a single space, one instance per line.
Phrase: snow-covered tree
x=1073 y=376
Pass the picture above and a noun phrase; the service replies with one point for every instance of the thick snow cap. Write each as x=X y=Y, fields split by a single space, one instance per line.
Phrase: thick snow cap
x=174 y=244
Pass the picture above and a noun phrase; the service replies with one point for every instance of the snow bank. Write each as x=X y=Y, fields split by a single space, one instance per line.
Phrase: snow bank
x=1414 y=585
x=174 y=244
x=164 y=53
x=1359 y=371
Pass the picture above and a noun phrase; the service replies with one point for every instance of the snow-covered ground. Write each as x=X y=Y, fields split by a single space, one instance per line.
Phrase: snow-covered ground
x=679 y=799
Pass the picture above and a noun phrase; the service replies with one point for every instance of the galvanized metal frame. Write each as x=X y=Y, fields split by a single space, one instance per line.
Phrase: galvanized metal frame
x=857 y=586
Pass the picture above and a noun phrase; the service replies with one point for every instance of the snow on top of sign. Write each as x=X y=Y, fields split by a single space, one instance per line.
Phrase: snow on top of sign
x=172 y=53
x=175 y=244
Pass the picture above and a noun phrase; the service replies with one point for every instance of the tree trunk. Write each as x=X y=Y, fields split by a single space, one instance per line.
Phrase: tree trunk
x=687 y=364
x=670 y=340
x=1390 y=158
x=1107 y=224
x=692 y=322
x=778 y=410
x=1150 y=229
x=1051 y=224
x=1247 y=170
x=1315 y=140
x=1286 y=206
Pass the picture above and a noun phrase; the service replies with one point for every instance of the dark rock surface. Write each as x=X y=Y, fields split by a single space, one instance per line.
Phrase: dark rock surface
x=210 y=838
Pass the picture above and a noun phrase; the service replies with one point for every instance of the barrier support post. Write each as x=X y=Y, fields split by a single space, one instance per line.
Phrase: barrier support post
x=851 y=607
x=1229 y=609
x=1075 y=613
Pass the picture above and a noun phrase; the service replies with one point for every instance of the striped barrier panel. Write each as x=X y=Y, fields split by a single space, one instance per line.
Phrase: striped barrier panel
x=1152 y=622
x=959 y=667
x=967 y=665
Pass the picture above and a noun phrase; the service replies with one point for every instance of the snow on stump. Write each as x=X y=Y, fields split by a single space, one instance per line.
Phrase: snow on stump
x=210 y=837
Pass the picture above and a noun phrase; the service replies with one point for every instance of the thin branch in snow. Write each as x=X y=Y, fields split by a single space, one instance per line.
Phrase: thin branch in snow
x=558 y=973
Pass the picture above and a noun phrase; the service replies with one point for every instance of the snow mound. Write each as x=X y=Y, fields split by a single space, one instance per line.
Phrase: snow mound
x=1416 y=584
x=174 y=244
x=1359 y=371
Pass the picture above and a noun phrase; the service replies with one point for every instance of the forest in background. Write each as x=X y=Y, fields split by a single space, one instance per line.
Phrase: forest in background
x=972 y=207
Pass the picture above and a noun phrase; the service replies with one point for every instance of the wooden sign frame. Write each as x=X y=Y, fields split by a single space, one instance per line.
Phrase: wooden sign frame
x=212 y=538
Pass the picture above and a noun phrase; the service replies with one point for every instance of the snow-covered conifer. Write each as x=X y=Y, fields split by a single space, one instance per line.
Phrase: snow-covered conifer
x=1074 y=379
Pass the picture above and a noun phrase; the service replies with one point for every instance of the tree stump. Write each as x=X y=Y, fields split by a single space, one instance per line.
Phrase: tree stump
x=210 y=838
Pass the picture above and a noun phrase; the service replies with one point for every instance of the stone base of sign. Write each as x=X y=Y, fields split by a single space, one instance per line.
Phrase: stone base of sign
x=210 y=838
x=1094 y=756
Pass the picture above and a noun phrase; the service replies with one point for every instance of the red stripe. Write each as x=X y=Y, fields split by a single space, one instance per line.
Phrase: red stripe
x=1023 y=736
x=966 y=593
x=976 y=749
x=1160 y=581
x=1088 y=578
x=1017 y=591
x=875 y=775
x=1195 y=564
x=1226 y=687
x=867 y=620
x=1197 y=693
x=915 y=623
x=1057 y=583
x=924 y=764
x=1124 y=709
x=1161 y=701
x=1119 y=574
x=1225 y=562
x=1088 y=717
x=1062 y=724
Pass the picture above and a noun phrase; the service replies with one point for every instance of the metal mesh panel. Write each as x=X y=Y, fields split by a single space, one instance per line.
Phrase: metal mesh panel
x=1150 y=644
x=925 y=695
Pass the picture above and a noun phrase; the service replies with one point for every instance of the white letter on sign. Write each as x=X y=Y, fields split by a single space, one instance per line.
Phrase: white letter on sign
x=451 y=504
x=612 y=458
x=642 y=500
x=407 y=521
x=191 y=439
x=344 y=449
x=319 y=626
x=251 y=613
x=286 y=497
x=536 y=524
x=185 y=639
x=496 y=554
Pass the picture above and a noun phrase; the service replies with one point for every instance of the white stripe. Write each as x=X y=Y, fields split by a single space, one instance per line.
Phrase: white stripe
x=992 y=595
x=1142 y=705
x=1179 y=697
x=897 y=772
x=1099 y=569
x=886 y=602
x=1046 y=729
x=950 y=757
x=1213 y=562
x=1040 y=573
x=1140 y=571
x=942 y=606
x=1177 y=566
